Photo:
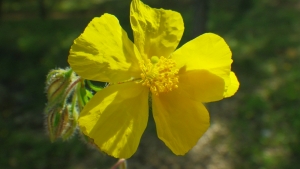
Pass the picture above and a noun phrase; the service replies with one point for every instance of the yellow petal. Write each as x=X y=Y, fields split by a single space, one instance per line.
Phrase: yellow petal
x=180 y=120
x=201 y=85
x=233 y=87
x=116 y=117
x=157 y=32
x=208 y=51
x=103 y=52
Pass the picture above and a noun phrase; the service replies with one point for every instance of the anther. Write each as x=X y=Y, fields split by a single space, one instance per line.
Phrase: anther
x=159 y=74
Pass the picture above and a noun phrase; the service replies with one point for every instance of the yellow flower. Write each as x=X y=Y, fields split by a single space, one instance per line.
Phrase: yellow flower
x=178 y=81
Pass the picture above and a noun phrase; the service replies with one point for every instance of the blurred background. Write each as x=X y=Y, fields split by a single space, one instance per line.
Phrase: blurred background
x=257 y=128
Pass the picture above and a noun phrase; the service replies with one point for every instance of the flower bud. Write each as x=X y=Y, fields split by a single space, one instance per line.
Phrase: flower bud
x=70 y=123
x=62 y=122
x=57 y=83
x=55 y=122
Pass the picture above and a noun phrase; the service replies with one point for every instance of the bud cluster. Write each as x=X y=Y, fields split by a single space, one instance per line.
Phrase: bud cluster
x=62 y=108
x=67 y=94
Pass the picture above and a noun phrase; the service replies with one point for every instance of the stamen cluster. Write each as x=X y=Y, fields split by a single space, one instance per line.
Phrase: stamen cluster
x=159 y=74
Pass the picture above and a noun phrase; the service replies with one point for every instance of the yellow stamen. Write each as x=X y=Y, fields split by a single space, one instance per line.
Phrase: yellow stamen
x=159 y=74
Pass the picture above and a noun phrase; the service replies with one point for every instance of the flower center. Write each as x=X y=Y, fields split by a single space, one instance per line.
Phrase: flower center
x=159 y=74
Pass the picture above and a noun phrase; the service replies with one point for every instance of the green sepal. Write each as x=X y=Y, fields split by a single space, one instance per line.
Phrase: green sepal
x=93 y=87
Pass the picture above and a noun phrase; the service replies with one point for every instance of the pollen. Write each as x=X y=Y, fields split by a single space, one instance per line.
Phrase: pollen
x=159 y=74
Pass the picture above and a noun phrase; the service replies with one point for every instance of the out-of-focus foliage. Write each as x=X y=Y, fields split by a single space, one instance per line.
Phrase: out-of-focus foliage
x=264 y=118
x=265 y=40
